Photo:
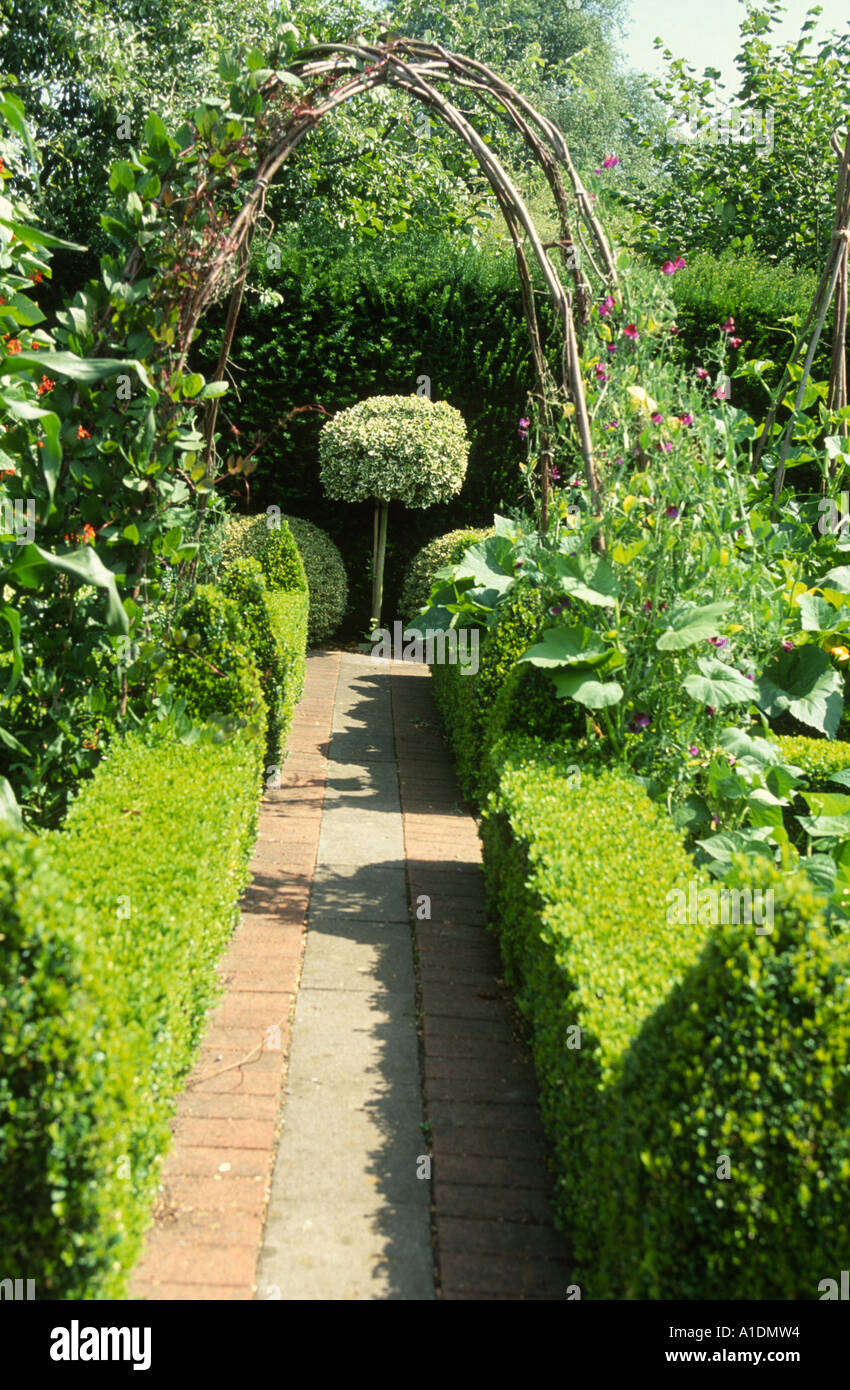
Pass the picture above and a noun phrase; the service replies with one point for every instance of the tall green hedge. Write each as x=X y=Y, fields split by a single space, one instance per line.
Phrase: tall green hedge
x=111 y=931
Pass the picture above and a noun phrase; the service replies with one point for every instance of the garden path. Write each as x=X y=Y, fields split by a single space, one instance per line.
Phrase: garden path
x=382 y=1139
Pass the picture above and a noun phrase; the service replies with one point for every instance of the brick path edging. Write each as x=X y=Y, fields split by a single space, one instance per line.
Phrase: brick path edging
x=209 y=1216
x=491 y=1216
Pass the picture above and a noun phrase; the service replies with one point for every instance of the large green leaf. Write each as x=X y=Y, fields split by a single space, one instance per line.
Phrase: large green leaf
x=13 y=618
x=719 y=685
x=804 y=683
x=582 y=684
x=10 y=811
x=83 y=564
x=819 y=616
x=86 y=369
x=567 y=646
x=688 y=624
x=489 y=564
x=587 y=577
x=51 y=454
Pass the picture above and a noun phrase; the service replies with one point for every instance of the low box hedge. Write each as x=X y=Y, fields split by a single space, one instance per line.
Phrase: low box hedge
x=723 y=1163
x=111 y=931
x=819 y=757
x=662 y=1050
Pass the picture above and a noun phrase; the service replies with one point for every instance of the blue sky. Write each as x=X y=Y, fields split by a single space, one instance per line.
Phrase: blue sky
x=705 y=32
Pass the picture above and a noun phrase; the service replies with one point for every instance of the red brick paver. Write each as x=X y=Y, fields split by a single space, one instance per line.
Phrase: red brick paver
x=208 y=1223
x=491 y=1217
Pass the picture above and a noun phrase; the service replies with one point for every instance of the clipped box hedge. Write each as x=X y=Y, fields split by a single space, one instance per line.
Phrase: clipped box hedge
x=465 y=701
x=724 y=1162
x=819 y=757
x=662 y=1048
x=111 y=931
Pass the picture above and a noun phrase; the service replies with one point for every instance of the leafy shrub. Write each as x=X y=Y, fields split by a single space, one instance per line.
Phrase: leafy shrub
x=464 y=701
x=747 y=1057
x=112 y=929
x=288 y=616
x=578 y=865
x=442 y=550
x=406 y=448
x=244 y=584
x=327 y=580
x=819 y=757
x=269 y=540
x=213 y=669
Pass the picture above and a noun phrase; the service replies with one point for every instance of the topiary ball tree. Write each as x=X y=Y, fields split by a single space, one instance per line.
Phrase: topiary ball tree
x=393 y=448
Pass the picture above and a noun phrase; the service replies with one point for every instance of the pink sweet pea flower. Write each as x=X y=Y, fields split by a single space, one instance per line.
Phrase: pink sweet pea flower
x=686 y=417
x=656 y=417
x=600 y=372
x=605 y=307
x=631 y=331
x=735 y=342
x=611 y=348
x=610 y=161
x=702 y=373
x=728 y=326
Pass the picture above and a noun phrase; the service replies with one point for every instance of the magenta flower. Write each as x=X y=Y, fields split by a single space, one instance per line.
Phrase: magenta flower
x=748 y=676
x=672 y=513
x=615 y=424
x=718 y=641
x=666 y=446
x=719 y=393
x=668 y=268
x=618 y=460
x=735 y=342
x=610 y=161
x=647 y=607
x=787 y=645
x=728 y=326
x=694 y=751
x=674 y=331
x=523 y=427
x=656 y=417
x=686 y=417
x=605 y=307
x=702 y=374
x=631 y=331
x=611 y=348
x=710 y=709
x=639 y=721
x=553 y=473
x=600 y=372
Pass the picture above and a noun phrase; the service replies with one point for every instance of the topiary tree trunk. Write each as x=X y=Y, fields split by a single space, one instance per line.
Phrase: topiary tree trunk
x=379 y=550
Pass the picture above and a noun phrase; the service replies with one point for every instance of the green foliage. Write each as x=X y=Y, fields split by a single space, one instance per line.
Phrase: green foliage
x=442 y=550
x=404 y=448
x=818 y=757
x=747 y=1059
x=288 y=613
x=765 y=301
x=211 y=665
x=269 y=540
x=465 y=700
x=273 y=651
x=578 y=866
x=389 y=313
x=773 y=192
x=112 y=932
x=327 y=580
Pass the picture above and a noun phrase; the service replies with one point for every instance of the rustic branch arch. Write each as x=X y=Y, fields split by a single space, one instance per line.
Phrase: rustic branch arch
x=333 y=74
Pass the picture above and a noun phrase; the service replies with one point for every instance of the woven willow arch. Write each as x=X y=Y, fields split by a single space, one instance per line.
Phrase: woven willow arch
x=333 y=74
